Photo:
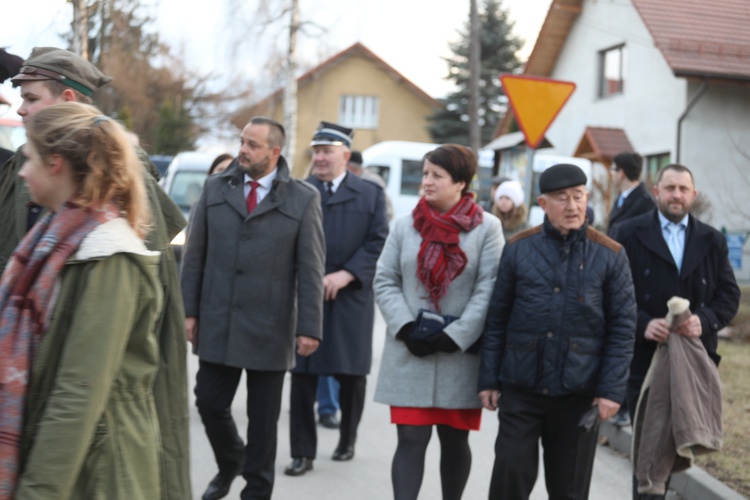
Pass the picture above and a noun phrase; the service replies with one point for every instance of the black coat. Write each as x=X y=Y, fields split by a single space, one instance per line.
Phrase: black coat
x=638 y=202
x=706 y=280
x=562 y=316
x=355 y=227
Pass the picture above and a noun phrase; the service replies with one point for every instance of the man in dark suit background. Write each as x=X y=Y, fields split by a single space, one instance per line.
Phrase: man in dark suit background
x=252 y=281
x=633 y=199
x=355 y=226
x=671 y=253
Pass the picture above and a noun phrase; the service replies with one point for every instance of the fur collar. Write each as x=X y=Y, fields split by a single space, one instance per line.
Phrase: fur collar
x=115 y=236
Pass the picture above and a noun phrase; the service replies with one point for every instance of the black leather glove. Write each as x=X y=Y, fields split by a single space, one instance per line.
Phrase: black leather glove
x=443 y=343
x=405 y=330
x=419 y=348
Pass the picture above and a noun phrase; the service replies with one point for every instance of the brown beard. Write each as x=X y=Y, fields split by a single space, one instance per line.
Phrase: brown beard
x=255 y=170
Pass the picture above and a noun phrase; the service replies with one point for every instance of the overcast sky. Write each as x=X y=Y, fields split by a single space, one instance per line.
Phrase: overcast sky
x=410 y=35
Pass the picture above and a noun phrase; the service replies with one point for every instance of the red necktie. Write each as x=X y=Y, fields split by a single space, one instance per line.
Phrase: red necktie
x=252 y=197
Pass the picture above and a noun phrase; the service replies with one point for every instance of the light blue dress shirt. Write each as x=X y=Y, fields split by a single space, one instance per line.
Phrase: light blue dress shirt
x=674 y=235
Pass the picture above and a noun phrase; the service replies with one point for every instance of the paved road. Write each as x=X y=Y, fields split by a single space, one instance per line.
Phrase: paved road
x=367 y=477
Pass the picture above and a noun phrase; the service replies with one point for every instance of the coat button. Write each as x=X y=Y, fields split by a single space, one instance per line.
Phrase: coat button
x=646 y=296
x=550 y=335
x=647 y=272
x=556 y=290
x=545 y=391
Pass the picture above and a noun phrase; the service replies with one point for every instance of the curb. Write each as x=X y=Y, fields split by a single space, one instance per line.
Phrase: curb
x=692 y=484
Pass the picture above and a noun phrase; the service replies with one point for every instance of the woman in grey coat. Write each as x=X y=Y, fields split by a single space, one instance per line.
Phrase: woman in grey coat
x=443 y=259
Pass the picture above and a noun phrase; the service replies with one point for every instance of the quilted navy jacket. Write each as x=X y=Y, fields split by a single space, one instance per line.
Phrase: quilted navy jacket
x=562 y=316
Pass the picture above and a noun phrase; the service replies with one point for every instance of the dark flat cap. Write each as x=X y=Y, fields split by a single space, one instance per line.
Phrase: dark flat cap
x=356 y=157
x=50 y=63
x=332 y=134
x=561 y=176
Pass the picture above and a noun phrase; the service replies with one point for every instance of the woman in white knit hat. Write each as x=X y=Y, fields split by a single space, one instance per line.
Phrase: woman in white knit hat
x=510 y=208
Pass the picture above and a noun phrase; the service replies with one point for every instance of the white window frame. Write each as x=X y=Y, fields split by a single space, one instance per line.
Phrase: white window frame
x=603 y=89
x=359 y=111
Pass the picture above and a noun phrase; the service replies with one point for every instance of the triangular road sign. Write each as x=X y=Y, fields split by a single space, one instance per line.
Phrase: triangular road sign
x=536 y=102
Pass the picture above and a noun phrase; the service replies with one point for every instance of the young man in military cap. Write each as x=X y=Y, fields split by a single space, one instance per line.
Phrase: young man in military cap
x=50 y=76
x=355 y=227
x=43 y=83
x=558 y=339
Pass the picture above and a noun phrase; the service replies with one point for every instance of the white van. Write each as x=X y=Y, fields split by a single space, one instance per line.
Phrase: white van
x=399 y=163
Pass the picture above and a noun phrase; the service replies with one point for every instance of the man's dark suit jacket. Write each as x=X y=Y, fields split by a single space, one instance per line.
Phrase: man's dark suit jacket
x=706 y=280
x=638 y=202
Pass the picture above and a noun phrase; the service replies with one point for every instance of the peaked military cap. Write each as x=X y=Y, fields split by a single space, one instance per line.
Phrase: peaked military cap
x=332 y=134
x=51 y=63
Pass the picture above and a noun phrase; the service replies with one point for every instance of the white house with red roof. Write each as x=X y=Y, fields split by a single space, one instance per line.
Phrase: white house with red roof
x=670 y=78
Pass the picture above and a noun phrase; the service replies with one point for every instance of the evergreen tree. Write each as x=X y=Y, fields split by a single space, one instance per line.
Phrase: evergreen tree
x=498 y=47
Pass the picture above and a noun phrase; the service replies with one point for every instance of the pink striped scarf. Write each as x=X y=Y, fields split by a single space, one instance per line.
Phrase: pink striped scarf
x=27 y=300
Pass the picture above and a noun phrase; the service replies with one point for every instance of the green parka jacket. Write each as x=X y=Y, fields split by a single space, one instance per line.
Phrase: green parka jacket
x=90 y=429
x=170 y=387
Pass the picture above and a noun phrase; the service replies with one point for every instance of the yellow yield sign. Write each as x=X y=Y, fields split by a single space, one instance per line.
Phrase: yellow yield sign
x=536 y=103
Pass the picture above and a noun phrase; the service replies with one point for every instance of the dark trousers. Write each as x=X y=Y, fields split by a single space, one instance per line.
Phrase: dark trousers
x=631 y=396
x=302 y=431
x=215 y=388
x=568 y=452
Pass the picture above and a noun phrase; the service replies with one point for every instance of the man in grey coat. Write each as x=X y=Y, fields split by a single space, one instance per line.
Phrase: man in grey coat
x=252 y=280
x=355 y=226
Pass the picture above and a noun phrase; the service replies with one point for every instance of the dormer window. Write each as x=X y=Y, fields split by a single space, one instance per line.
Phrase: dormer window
x=611 y=71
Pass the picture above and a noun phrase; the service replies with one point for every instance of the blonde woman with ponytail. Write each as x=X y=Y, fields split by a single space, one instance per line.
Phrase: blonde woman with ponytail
x=78 y=304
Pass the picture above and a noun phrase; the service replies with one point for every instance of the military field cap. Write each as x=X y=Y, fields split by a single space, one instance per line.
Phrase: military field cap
x=51 y=63
x=332 y=134
x=561 y=176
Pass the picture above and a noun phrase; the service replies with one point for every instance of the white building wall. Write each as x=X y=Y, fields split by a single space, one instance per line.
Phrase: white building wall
x=716 y=147
x=652 y=96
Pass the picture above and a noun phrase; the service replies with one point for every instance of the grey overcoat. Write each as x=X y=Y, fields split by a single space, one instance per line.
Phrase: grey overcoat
x=254 y=282
x=441 y=380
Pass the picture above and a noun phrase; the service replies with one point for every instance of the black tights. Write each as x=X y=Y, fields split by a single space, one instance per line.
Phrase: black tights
x=408 y=462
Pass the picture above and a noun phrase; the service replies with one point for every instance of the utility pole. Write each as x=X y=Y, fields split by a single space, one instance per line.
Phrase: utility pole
x=474 y=56
x=290 y=91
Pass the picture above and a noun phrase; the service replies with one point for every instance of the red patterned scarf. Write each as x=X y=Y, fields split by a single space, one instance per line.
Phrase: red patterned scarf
x=440 y=258
x=28 y=294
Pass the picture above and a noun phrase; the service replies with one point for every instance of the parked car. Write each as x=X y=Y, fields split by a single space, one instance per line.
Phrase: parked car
x=161 y=162
x=183 y=182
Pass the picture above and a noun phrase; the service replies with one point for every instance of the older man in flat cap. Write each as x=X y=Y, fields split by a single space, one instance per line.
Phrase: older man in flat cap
x=51 y=76
x=557 y=343
x=355 y=227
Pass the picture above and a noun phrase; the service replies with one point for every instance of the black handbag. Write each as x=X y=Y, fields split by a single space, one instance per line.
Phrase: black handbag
x=430 y=323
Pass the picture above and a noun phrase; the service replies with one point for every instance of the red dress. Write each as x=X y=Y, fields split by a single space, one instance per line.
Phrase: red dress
x=463 y=419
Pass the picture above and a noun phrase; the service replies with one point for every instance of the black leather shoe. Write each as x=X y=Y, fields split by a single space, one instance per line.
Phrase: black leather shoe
x=218 y=488
x=299 y=466
x=329 y=421
x=343 y=453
